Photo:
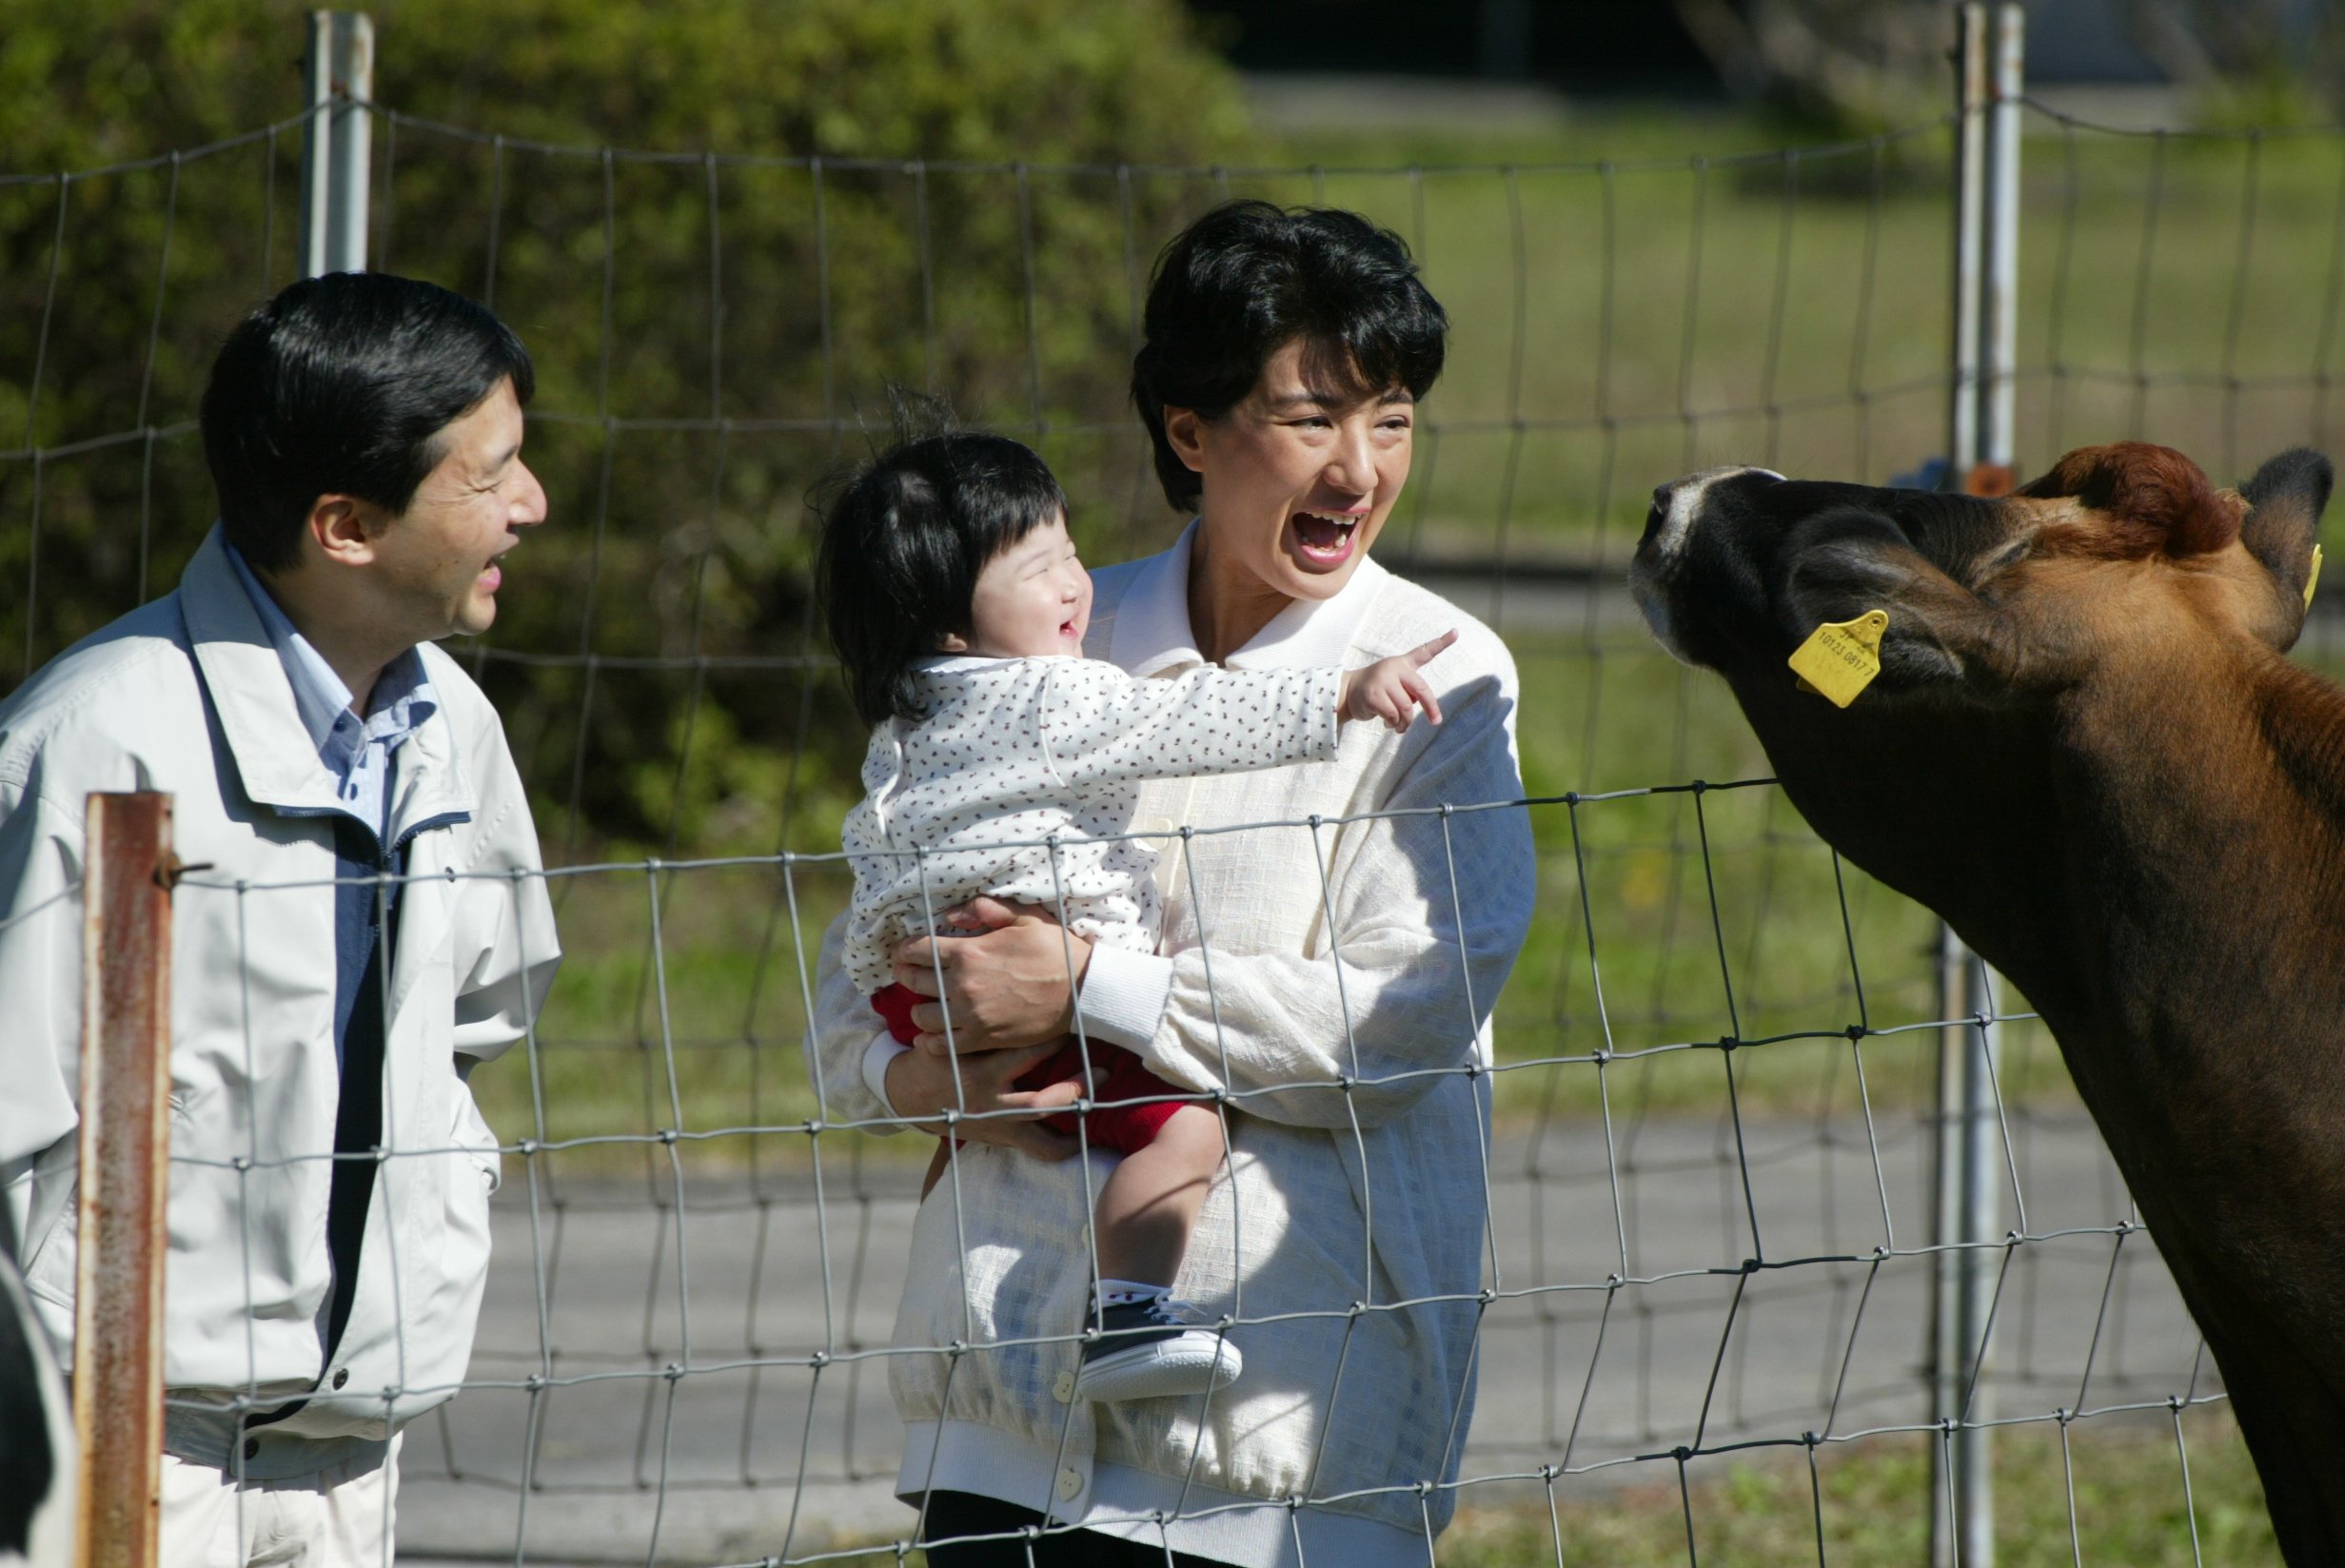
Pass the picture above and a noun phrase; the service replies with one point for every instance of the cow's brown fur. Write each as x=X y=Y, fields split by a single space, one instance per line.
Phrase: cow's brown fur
x=2123 y=796
x=2144 y=499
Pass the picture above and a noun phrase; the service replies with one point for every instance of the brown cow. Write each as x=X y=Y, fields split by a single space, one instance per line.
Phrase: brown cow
x=2085 y=749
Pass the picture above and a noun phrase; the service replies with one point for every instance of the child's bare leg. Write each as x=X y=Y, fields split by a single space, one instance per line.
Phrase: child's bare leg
x=1147 y=1208
x=1146 y=1347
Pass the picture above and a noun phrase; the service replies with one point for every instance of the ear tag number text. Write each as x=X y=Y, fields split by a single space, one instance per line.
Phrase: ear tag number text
x=2312 y=579
x=1839 y=659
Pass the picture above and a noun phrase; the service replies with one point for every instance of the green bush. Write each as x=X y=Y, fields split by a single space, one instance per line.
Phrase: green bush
x=713 y=326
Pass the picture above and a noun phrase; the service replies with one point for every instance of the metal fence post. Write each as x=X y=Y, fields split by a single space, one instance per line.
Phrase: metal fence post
x=338 y=141
x=1969 y=236
x=1991 y=60
x=1969 y=1170
x=1998 y=329
x=125 y=1104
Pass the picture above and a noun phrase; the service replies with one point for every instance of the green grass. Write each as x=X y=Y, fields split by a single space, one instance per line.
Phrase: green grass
x=2112 y=1493
x=621 y=1056
x=1869 y=1503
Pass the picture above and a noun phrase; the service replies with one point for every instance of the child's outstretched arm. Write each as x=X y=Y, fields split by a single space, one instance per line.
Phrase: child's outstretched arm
x=1392 y=689
x=1098 y=724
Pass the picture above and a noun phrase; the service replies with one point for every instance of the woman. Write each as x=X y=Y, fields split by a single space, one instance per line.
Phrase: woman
x=1284 y=357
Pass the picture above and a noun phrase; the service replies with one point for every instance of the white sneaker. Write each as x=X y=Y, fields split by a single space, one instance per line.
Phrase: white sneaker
x=1146 y=1350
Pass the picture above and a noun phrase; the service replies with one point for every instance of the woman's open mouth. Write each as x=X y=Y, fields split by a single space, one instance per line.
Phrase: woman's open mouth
x=1325 y=538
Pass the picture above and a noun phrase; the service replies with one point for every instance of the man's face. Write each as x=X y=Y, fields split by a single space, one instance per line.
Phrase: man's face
x=435 y=564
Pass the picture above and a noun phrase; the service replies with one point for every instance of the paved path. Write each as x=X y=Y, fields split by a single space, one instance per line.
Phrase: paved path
x=1563 y=1380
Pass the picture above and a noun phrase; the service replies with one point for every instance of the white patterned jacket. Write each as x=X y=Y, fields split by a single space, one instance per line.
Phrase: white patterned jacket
x=1011 y=752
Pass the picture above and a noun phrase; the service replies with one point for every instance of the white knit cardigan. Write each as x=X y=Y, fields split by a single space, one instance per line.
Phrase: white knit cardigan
x=1346 y=1239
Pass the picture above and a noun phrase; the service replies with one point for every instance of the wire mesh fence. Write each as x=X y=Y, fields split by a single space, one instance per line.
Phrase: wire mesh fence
x=1709 y=1113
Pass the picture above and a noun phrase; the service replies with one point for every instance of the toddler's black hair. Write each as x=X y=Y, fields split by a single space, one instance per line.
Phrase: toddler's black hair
x=904 y=536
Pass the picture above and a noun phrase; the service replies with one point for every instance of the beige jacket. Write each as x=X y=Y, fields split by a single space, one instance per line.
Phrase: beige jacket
x=1348 y=1244
x=187 y=696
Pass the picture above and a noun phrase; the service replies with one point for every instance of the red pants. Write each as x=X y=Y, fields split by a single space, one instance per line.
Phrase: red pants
x=1117 y=1074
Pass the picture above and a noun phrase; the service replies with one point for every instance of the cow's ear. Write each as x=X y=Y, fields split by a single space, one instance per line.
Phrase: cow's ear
x=2150 y=498
x=1846 y=562
x=2284 y=501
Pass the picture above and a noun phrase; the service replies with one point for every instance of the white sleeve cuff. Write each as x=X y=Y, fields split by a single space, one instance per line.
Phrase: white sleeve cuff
x=1327 y=693
x=1124 y=995
x=882 y=1051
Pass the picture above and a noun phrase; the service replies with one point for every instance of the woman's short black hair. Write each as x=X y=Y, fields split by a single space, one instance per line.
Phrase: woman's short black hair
x=1249 y=278
x=338 y=386
x=904 y=538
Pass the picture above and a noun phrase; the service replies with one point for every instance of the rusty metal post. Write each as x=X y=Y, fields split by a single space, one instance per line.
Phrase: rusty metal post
x=125 y=1104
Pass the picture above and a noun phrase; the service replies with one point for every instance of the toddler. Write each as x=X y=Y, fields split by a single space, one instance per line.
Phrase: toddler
x=958 y=606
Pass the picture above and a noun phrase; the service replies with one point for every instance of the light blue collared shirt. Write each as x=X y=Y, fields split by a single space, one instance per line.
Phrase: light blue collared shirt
x=360 y=755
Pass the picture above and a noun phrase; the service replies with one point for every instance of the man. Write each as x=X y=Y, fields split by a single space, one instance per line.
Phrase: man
x=360 y=929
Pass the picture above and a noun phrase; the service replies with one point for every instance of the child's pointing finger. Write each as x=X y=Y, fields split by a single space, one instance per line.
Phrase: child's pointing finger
x=1425 y=652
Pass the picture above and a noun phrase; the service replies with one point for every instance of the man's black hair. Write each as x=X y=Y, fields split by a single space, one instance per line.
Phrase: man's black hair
x=1249 y=278
x=338 y=386
x=904 y=538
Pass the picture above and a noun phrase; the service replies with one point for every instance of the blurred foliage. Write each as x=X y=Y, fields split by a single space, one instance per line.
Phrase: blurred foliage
x=706 y=323
x=1854 y=68
x=1825 y=67
x=2245 y=64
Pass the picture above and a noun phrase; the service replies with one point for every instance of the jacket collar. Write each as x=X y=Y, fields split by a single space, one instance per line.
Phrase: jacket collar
x=958 y=664
x=402 y=699
x=275 y=755
x=1152 y=632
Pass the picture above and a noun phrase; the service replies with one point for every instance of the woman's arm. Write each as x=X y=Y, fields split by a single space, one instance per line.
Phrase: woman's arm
x=1012 y=986
x=1431 y=908
x=1417 y=980
x=922 y=1086
x=1017 y=984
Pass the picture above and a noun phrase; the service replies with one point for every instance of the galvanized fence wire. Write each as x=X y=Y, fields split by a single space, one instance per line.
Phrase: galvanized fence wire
x=1853 y=1384
x=1679 y=1055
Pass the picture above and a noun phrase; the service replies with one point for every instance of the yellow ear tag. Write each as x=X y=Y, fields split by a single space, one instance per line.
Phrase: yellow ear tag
x=2312 y=579
x=1839 y=659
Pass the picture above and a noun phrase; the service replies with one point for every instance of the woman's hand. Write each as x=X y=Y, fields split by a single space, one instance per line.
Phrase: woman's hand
x=1012 y=986
x=923 y=1087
